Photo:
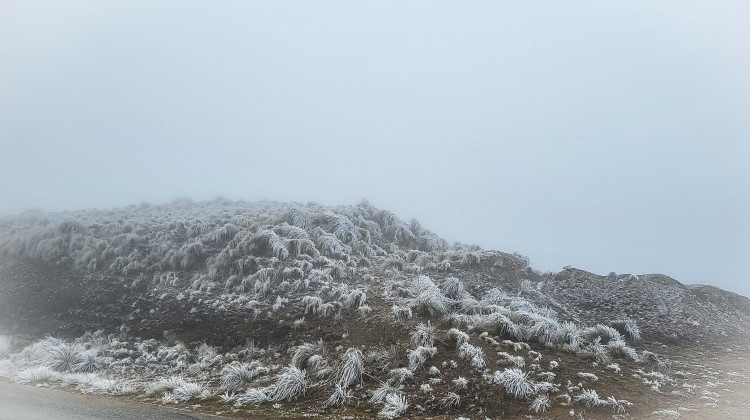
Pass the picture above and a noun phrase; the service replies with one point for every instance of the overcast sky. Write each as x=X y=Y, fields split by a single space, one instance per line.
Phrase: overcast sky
x=610 y=137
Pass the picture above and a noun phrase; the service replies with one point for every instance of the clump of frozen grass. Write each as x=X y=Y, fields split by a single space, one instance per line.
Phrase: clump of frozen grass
x=165 y=384
x=108 y=386
x=434 y=371
x=429 y=296
x=459 y=336
x=318 y=365
x=540 y=404
x=401 y=313
x=628 y=327
x=187 y=391
x=301 y=354
x=452 y=287
x=253 y=396
x=515 y=381
x=355 y=299
x=236 y=375
x=670 y=414
x=351 y=368
x=340 y=397
x=460 y=383
x=290 y=383
x=5 y=346
x=474 y=354
x=620 y=349
x=65 y=357
x=311 y=304
x=589 y=398
x=598 y=352
x=651 y=360
x=379 y=394
x=426 y=388
x=418 y=356
x=519 y=361
x=604 y=333
x=450 y=400
x=400 y=375
x=588 y=376
x=423 y=335
x=37 y=374
x=394 y=406
x=615 y=367
x=618 y=406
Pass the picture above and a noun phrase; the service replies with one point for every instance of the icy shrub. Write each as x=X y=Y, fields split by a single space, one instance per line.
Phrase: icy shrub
x=394 y=406
x=66 y=357
x=589 y=398
x=450 y=400
x=628 y=327
x=350 y=369
x=540 y=404
x=401 y=313
x=290 y=383
x=423 y=335
x=474 y=354
x=418 y=356
x=302 y=353
x=459 y=336
x=515 y=381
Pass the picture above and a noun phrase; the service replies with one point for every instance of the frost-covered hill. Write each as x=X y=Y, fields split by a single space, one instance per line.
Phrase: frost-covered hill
x=241 y=304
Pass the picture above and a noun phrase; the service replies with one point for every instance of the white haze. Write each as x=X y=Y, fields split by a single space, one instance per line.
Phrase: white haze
x=611 y=136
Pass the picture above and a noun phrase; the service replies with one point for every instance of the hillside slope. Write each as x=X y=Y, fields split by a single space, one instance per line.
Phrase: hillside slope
x=369 y=314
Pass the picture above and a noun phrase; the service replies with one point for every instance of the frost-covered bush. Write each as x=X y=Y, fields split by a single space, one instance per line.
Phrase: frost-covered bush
x=588 y=376
x=429 y=297
x=418 y=356
x=182 y=390
x=423 y=335
x=652 y=361
x=350 y=369
x=302 y=353
x=460 y=383
x=401 y=313
x=459 y=336
x=620 y=349
x=589 y=398
x=237 y=374
x=602 y=332
x=628 y=327
x=379 y=394
x=515 y=381
x=289 y=384
x=400 y=375
x=474 y=354
x=540 y=404
x=37 y=374
x=452 y=288
x=450 y=400
x=253 y=396
x=340 y=396
x=65 y=357
x=519 y=361
x=394 y=406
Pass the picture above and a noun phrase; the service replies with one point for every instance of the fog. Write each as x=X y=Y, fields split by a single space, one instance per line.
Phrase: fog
x=607 y=137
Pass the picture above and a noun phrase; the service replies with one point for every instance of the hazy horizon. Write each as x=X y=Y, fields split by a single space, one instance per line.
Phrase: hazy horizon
x=609 y=137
